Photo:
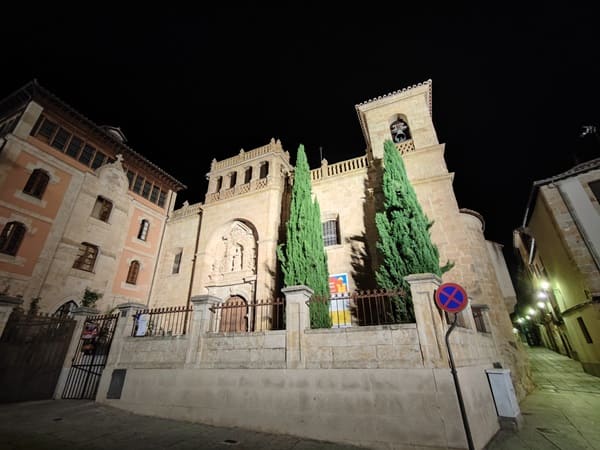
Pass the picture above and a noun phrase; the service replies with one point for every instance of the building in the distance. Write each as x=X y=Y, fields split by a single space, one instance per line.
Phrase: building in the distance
x=79 y=209
x=559 y=243
x=76 y=215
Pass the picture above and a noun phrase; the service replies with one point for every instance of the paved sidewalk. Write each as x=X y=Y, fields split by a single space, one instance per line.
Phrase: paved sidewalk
x=563 y=412
x=85 y=425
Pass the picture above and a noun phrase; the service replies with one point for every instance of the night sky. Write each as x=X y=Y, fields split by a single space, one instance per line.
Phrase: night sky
x=510 y=91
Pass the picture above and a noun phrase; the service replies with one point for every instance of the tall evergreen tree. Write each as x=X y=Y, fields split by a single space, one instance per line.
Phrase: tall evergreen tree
x=404 y=240
x=303 y=258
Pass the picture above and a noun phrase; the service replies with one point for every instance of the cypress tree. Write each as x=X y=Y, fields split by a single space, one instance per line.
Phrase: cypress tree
x=303 y=258
x=404 y=231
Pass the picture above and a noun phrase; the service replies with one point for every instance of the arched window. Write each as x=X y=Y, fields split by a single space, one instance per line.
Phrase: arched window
x=66 y=309
x=37 y=183
x=143 y=232
x=399 y=130
x=219 y=184
x=264 y=169
x=248 y=175
x=102 y=209
x=86 y=257
x=134 y=270
x=11 y=237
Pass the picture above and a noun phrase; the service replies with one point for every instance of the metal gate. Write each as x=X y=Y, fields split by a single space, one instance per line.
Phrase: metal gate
x=90 y=357
x=32 y=352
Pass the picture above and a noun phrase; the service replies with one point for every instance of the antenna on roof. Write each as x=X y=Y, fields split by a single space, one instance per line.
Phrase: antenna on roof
x=320 y=153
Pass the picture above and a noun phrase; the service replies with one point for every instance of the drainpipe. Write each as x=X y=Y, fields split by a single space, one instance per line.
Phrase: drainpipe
x=162 y=236
x=195 y=257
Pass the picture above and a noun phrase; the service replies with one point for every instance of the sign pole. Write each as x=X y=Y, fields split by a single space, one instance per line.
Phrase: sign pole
x=463 y=412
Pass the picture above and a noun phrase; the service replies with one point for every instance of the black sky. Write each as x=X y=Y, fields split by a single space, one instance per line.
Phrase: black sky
x=510 y=91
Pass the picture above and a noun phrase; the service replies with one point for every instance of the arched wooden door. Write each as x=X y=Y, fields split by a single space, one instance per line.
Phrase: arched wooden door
x=234 y=315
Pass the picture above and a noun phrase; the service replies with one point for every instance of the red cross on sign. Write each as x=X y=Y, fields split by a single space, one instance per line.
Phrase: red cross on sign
x=451 y=297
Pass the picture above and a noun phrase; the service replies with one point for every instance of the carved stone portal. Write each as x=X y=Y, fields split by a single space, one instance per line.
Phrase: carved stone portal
x=235 y=252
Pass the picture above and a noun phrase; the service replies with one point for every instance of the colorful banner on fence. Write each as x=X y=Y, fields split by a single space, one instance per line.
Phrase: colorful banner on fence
x=339 y=305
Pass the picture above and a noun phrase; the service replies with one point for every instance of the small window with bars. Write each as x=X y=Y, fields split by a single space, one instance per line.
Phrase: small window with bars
x=37 y=183
x=331 y=235
x=479 y=318
x=102 y=209
x=86 y=257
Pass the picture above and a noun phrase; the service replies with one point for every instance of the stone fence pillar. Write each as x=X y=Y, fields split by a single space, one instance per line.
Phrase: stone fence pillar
x=7 y=304
x=297 y=320
x=79 y=314
x=430 y=328
x=202 y=321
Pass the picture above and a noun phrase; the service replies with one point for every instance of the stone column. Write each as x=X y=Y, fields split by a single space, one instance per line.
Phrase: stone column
x=7 y=304
x=297 y=320
x=430 y=328
x=202 y=320
x=79 y=315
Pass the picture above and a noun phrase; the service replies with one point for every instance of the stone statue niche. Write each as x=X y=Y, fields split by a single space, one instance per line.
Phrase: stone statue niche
x=235 y=253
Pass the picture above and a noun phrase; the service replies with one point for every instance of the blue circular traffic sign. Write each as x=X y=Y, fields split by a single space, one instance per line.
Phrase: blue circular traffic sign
x=451 y=297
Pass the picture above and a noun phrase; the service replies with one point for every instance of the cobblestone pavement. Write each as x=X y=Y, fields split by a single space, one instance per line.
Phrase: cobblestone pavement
x=563 y=412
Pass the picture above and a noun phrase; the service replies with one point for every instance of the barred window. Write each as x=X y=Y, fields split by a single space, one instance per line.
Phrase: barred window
x=134 y=270
x=37 y=183
x=102 y=209
x=11 y=238
x=143 y=231
x=177 y=261
x=86 y=257
x=478 y=317
x=331 y=235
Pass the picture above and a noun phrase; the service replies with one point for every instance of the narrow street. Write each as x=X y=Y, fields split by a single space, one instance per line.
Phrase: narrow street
x=563 y=412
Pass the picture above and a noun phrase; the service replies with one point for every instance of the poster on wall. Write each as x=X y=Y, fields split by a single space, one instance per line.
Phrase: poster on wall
x=339 y=306
x=141 y=324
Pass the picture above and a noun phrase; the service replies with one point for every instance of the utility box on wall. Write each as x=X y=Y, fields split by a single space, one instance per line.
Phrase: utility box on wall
x=505 y=398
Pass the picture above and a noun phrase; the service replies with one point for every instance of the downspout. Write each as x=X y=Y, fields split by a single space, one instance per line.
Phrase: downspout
x=195 y=257
x=162 y=236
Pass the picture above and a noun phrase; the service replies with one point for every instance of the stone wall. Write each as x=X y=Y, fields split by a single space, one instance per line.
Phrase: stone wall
x=391 y=385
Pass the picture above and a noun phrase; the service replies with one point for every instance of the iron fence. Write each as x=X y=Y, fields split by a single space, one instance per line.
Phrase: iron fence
x=370 y=307
x=168 y=321
x=237 y=316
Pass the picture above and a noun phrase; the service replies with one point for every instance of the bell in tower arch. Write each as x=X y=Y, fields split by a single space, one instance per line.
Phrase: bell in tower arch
x=399 y=130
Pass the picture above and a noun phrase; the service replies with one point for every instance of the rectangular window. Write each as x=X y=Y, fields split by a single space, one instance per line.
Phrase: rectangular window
x=47 y=130
x=330 y=233
x=86 y=154
x=74 y=147
x=478 y=318
x=584 y=330
x=154 y=194
x=137 y=186
x=177 y=261
x=102 y=209
x=98 y=160
x=130 y=177
x=86 y=257
x=60 y=140
x=162 y=199
x=146 y=190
